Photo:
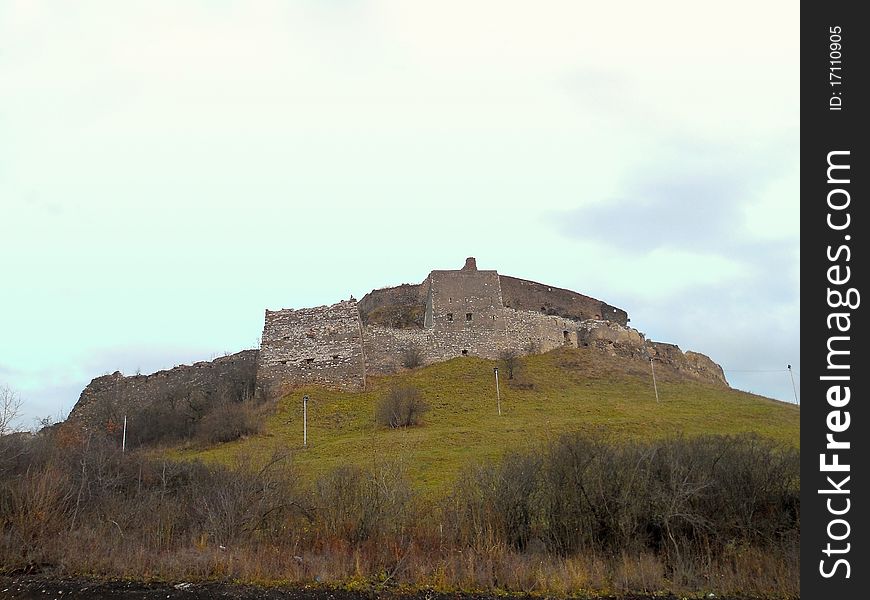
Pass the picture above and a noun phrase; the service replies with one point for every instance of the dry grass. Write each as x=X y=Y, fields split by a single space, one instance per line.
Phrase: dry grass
x=103 y=553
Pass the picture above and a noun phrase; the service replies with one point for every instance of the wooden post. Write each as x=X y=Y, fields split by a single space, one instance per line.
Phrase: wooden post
x=497 y=392
x=793 y=386
x=304 y=421
x=652 y=369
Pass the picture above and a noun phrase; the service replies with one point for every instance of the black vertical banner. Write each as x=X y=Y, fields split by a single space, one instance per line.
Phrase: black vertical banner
x=835 y=562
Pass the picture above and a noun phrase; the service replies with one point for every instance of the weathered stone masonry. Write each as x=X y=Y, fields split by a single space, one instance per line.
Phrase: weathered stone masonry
x=320 y=345
x=452 y=313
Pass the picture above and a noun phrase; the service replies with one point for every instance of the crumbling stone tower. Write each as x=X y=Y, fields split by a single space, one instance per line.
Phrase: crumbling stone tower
x=320 y=345
x=464 y=300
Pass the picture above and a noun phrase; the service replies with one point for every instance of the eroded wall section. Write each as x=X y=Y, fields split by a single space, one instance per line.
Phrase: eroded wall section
x=321 y=345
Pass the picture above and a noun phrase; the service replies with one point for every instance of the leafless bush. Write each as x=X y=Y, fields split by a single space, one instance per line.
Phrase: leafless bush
x=357 y=504
x=510 y=361
x=491 y=502
x=246 y=503
x=412 y=357
x=679 y=498
x=531 y=347
x=228 y=422
x=10 y=406
x=401 y=407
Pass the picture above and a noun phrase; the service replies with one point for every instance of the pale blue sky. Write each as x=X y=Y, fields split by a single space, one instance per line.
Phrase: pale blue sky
x=170 y=170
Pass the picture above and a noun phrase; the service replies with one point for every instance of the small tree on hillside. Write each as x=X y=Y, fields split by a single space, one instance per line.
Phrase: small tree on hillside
x=401 y=407
x=510 y=360
x=412 y=357
x=10 y=406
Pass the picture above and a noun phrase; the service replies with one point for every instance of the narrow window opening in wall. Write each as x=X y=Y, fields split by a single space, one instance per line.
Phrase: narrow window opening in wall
x=465 y=353
x=449 y=316
x=565 y=336
x=467 y=316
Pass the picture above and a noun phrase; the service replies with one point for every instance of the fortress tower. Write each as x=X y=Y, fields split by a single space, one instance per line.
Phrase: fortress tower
x=467 y=299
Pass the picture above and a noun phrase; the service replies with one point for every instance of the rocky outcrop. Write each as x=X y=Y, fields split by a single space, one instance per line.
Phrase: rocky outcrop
x=399 y=307
x=108 y=398
x=618 y=340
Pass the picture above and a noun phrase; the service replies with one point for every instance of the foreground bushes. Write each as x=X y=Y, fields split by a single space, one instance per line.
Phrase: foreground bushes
x=580 y=513
x=677 y=497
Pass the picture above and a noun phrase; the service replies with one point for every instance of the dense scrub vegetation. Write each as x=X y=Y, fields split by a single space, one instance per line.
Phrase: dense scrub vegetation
x=710 y=513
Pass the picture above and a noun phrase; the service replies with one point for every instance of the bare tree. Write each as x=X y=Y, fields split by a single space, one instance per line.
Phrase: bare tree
x=412 y=357
x=10 y=408
x=401 y=407
x=510 y=360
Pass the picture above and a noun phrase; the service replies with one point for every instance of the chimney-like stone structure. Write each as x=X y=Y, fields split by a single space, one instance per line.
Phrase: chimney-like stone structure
x=470 y=264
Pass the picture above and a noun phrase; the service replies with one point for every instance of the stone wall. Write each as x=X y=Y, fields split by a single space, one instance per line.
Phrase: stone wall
x=522 y=294
x=466 y=300
x=320 y=345
x=531 y=332
x=524 y=331
x=384 y=346
x=110 y=397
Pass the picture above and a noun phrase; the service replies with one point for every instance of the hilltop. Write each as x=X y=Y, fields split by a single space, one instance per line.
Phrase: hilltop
x=463 y=313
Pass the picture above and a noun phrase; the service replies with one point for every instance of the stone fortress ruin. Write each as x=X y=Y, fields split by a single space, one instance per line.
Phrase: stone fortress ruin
x=452 y=313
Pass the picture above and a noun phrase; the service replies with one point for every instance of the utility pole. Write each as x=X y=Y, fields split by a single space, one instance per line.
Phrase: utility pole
x=653 y=371
x=304 y=421
x=497 y=392
x=793 y=386
x=124 y=436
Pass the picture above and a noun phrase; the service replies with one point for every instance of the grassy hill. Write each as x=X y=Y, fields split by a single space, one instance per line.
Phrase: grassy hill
x=561 y=391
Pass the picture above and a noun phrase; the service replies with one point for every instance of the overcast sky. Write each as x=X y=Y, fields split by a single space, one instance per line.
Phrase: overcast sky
x=168 y=170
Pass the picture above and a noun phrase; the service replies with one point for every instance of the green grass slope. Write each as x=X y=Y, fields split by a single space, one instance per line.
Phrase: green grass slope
x=561 y=391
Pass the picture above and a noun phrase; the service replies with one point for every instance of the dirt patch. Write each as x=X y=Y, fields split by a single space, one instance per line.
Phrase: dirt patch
x=29 y=587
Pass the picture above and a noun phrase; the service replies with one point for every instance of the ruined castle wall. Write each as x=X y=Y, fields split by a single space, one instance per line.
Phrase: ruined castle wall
x=524 y=331
x=110 y=397
x=320 y=345
x=529 y=331
x=521 y=294
x=464 y=300
x=384 y=347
